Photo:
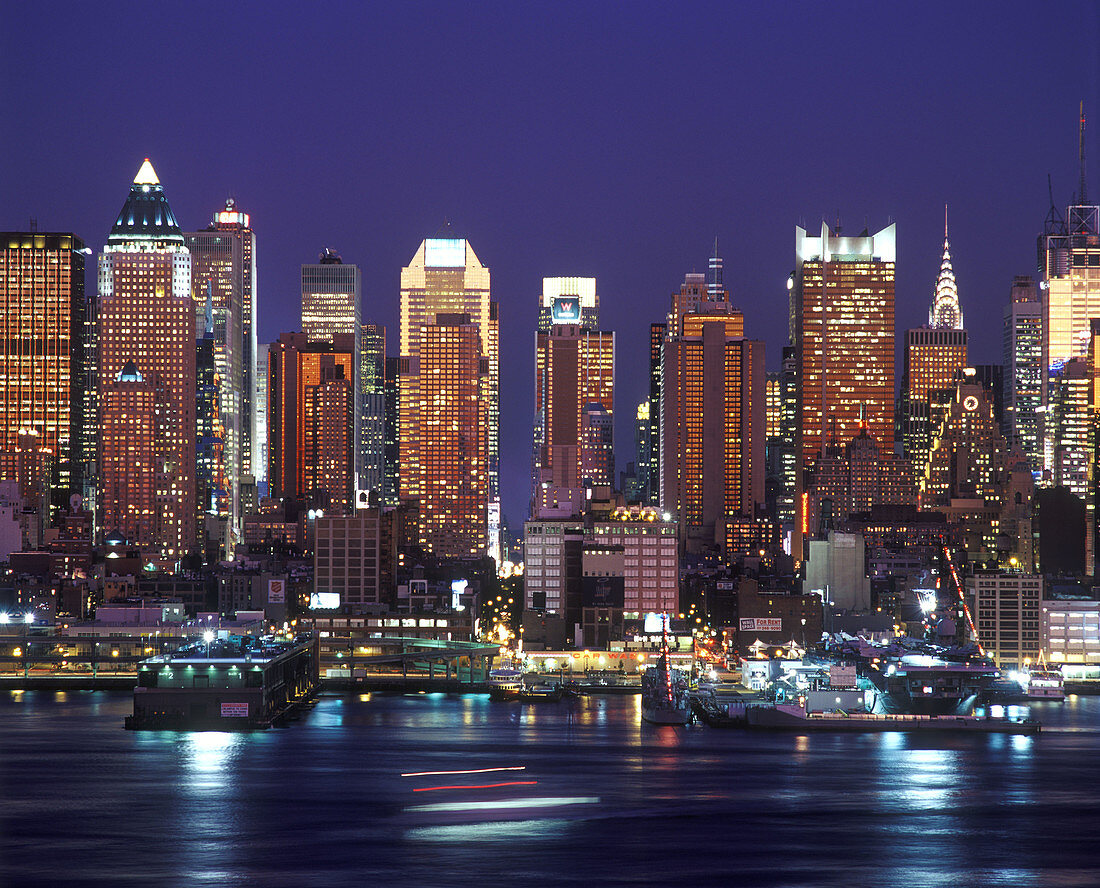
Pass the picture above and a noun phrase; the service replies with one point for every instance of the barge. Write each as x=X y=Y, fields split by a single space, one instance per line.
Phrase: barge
x=225 y=683
x=793 y=717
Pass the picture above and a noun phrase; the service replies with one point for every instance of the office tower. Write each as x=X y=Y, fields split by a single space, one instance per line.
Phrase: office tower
x=43 y=361
x=712 y=414
x=210 y=463
x=597 y=446
x=259 y=466
x=1007 y=611
x=349 y=559
x=446 y=277
x=372 y=424
x=391 y=391
x=331 y=295
x=643 y=453
x=842 y=326
x=569 y=300
x=984 y=490
x=934 y=356
x=311 y=397
x=657 y=333
x=448 y=448
x=575 y=368
x=1023 y=368
x=1069 y=266
x=146 y=340
x=1070 y=424
x=223 y=277
x=788 y=453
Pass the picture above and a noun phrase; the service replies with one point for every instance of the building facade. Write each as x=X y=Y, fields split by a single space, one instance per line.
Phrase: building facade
x=43 y=361
x=1023 y=367
x=146 y=373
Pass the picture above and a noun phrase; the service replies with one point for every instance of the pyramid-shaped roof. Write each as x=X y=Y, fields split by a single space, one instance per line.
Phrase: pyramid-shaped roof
x=146 y=215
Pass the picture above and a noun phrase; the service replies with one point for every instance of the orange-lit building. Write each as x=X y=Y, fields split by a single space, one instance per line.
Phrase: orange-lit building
x=450 y=443
x=146 y=374
x=713 y=419
x=842 y=327
x=575 y=369
x=311 y=402
x=43 y=373
x=445 y=276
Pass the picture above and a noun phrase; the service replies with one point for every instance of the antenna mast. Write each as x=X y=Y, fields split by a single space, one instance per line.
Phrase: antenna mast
x=1083 y=199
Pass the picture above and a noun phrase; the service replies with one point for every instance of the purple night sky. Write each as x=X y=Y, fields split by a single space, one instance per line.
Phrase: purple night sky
x=605 y=139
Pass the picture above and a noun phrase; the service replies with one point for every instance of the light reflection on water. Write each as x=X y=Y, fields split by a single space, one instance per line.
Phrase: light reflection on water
x=322 y=801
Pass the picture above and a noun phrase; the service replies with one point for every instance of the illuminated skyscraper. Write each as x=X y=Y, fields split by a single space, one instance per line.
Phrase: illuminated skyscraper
x=446 y=277
x=331 y=295
x=310 y=403
x=146 y=338
x=934 y=357
x=43 y=366
x=569 y=300
x=372 y=424
x=842 y=326
x=223 y=283
x=713 y=432
x=450 y=445
x=1023 y=365
x=575 y=368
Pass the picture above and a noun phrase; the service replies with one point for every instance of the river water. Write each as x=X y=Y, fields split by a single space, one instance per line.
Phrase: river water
x=601 y=799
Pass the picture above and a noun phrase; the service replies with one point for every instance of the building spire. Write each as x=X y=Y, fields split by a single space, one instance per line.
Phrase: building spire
x=714 y=285
x=1082 y=200
x=945 y=313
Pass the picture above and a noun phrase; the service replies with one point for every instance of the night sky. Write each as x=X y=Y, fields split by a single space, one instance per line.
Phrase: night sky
x=607 y=139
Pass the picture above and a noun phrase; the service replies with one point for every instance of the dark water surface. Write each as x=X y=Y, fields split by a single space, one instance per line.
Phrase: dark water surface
x=323 y=802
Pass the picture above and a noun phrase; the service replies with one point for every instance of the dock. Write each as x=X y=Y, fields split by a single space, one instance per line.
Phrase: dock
x=792 y=717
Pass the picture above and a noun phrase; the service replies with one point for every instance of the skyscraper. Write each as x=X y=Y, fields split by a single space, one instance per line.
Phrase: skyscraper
x=1023 y=365
x=310 y=402
x=372 y=425
x=842 y=326
x=934 y=357
x=43 y=365
x=713 y=425
x=569 y=300
x=450 y=445
x=575 y=368
x=223 y=279
x=146 y=339
x=445 y=277
x=1069 y=265
x=331 y=296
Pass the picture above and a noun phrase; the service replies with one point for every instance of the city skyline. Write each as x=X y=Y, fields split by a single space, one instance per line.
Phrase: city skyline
x=550 y=144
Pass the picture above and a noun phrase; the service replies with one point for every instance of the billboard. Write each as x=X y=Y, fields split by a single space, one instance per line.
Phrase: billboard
x=565 y=309
x=761 y=624
x=324 y=600
x=276 y=591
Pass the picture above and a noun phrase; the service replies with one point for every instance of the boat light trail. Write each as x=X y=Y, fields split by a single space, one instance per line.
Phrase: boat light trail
x=470 y=771
x=479 y=786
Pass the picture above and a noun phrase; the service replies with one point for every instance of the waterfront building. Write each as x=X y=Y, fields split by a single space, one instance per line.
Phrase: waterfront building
x=575 y=371
x=646 y=545
x=445 y=276
x=311 y=399
x=146 y=374
x=712 y=414
x=1006 y=615
x=1023 y=368
x=43 y=361
x=1070 y=632
x=842 y=328
x=552 y=553
x=836 y=572
x=223 y=286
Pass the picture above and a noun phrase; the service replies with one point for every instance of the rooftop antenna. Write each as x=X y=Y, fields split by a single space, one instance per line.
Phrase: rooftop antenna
x=714 y=287
x=1083 y=200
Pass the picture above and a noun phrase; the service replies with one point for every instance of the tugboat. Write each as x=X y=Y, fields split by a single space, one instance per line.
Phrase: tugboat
x=664 y=690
